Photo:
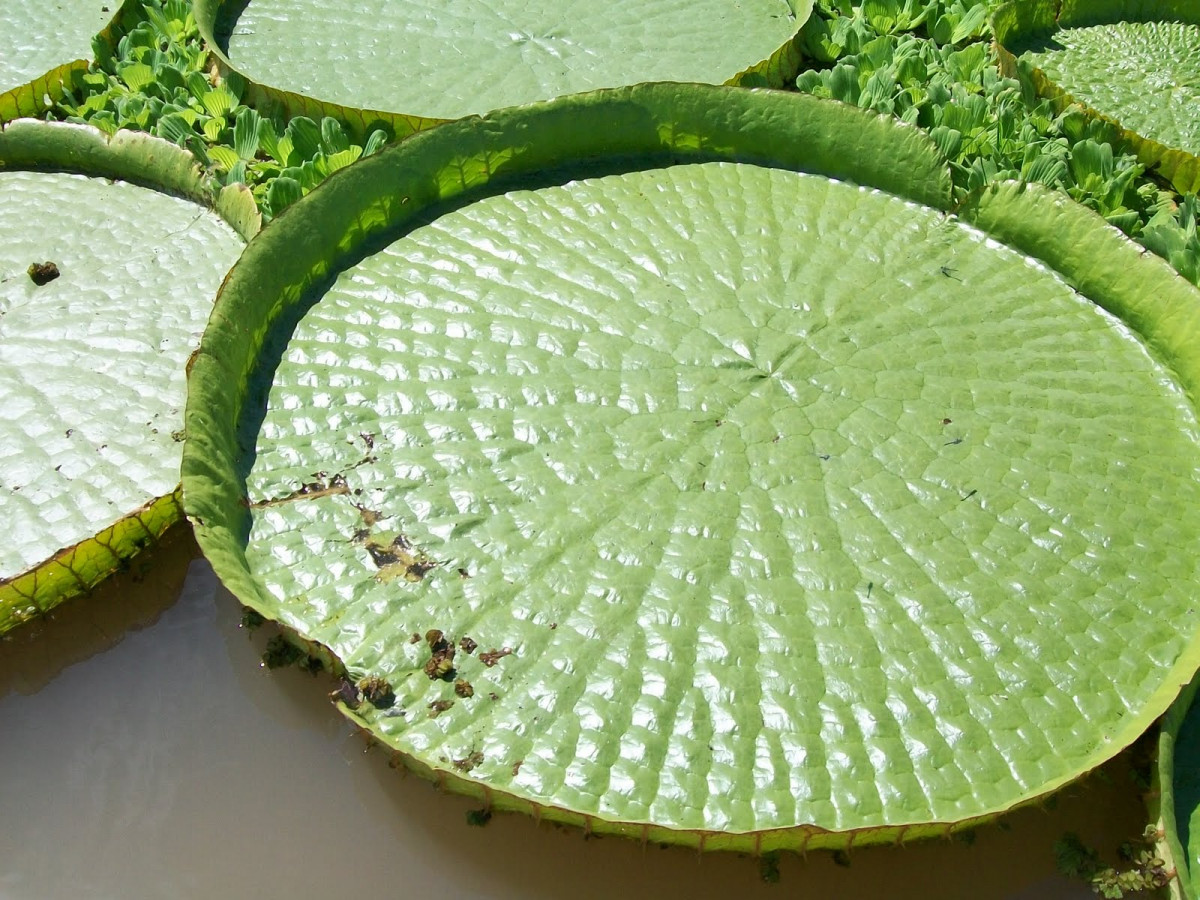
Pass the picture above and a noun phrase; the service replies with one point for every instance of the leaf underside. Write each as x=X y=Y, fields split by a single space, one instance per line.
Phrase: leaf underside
x=809 y=515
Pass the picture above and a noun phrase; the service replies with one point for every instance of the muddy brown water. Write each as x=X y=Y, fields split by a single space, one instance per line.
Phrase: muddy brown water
x=145 y=752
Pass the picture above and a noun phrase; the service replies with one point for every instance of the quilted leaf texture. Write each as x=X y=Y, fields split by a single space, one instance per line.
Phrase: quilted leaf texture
x=703 y=500
x=36 y=36
x=1133 y=64
x=432 y=61
x=97 y=323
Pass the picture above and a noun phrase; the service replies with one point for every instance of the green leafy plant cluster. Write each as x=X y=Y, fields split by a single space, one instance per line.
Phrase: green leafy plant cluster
x=929 y=63
x=156 y=80
x=1141 y=869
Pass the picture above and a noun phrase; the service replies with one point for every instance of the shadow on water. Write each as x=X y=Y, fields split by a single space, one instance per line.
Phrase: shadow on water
x=34 y=655
x=173 y=749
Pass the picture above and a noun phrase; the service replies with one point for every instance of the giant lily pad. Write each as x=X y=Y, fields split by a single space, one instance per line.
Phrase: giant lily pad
x=42 y=45
x=429 y=62
x=1134 y=64
x=94 y=346
x=648 y=474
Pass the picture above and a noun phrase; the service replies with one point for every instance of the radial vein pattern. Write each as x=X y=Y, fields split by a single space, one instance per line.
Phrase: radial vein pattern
x=794 y=502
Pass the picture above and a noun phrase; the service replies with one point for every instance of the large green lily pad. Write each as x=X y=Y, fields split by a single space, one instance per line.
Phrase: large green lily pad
x=1134 y=64
x=783 y=511
x=92 y=359
x=431 y=61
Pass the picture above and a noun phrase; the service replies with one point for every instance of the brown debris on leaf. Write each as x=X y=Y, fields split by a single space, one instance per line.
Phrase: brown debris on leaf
x=467 y=763
x=493 y=656
x=42 y=273
x=347 y=693
x=437 y=707
x=463 y=688
x=467 y=645
x=441 y=659
x=377 y=692
x=322 y=486
x=370 y=517
x=398 y=559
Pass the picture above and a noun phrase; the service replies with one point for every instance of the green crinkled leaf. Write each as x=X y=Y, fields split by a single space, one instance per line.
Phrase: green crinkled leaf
x=1135 y=65
x=784 y=512
x=92 y=359
x=430 y=61
x=1145 y=74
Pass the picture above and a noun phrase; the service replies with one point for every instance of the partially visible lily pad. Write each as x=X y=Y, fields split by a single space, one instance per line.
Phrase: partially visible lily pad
x=430 y=61
x=105 y=286
x=1175 y=805
x=44 y=44
x=751 y=508
x=1134 y=65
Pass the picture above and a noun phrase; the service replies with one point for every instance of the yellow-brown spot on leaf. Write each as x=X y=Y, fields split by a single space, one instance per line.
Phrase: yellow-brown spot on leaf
x=397 y=558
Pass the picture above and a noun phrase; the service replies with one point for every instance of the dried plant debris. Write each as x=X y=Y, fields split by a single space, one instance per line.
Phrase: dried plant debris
x=467 y=645
x=441 y=659
x=493 y=656
x=463 y=688
x=322 y=485
x=396 y=558
x=468 y=762
x=43 y=273
x=377 y=692
x=437 y=707
x=347 y=693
